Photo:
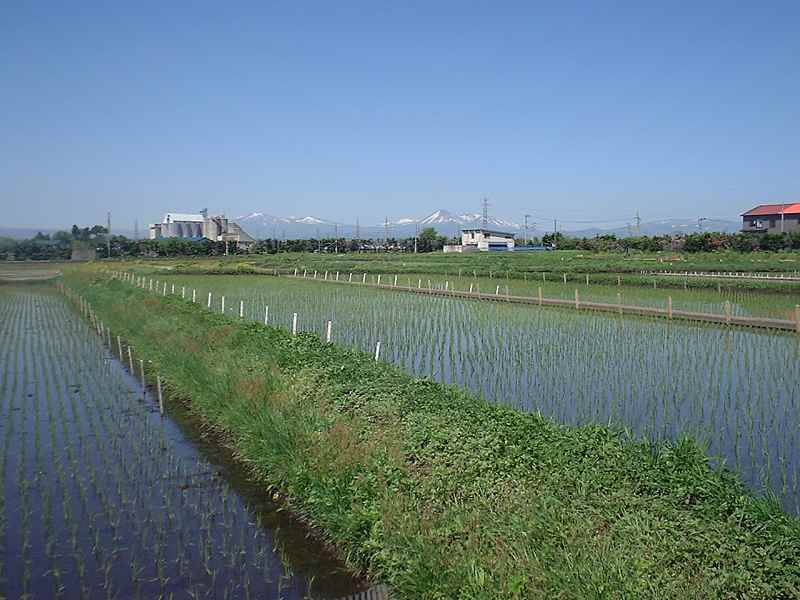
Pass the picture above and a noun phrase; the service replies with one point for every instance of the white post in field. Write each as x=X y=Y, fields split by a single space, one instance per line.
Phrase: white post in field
x=294 y=324
x=377 y=350
x=223 y=305
x=241 y=309
x=209 y=299
x=266 y=314
x=328 y=331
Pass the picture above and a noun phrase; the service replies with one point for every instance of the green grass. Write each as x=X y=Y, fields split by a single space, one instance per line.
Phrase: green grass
x=443 y=496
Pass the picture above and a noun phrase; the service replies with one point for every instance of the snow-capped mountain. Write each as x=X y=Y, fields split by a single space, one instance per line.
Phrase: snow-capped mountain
x=262 y=225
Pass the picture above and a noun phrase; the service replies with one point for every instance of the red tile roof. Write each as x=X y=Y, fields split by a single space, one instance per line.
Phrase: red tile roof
x=763 y=210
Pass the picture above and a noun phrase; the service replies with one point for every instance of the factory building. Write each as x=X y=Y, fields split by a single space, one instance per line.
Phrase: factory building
x=200 y=226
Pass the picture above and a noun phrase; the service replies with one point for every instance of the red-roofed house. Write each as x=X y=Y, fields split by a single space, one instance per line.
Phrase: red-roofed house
x=772 y=218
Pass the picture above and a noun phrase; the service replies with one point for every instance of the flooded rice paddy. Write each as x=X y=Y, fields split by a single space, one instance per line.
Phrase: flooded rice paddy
x=101 y=497
x=737 y=390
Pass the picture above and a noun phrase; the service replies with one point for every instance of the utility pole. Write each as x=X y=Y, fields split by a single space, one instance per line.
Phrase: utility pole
x=555 y=227
x=336 y=237
x=386 y=234
x=526 y=229
x=416 y=235
x=783 y=207
x=108 y=234
x=638 y=225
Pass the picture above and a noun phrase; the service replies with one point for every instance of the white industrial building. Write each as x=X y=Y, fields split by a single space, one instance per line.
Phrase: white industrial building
x=483 y=240
x=198 y=226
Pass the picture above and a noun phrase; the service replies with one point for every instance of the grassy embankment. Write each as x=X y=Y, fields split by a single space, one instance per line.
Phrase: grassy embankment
x=442 y=496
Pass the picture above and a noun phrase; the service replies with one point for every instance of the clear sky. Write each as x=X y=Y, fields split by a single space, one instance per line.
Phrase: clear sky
x=584 y=110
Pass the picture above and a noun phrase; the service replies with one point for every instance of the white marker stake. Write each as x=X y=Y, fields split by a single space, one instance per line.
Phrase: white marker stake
x=183 y=292
x=497 y=291
x=223 y=305
x=337 y=275
x=377 y=350
x=173 y=289
x=364 y=278
x=350 y=280
x=119 y=347
x=294 y=323
x=266 y=315
x=395 y=281
x=379 y=279
x=241 y=309
x=209 y=299
x=470 y=288
x=160 y=396
x=419 y=284
x=295 y=272
x=328 y=332
x=141 y=371
x=194 y=296
x=165 y=288
x=130 y=360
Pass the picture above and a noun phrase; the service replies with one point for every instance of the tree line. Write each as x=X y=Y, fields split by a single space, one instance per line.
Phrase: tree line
x=58 y=246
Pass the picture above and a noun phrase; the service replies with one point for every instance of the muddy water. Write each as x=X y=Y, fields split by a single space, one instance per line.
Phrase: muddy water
x=101 y=497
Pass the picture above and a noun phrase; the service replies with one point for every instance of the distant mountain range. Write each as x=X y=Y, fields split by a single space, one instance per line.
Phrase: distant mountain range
x=263 y=225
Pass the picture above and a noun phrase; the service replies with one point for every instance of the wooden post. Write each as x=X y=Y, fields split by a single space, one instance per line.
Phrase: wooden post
x=305 y=272
x=470 y=288
x=160 y=396
x=119 y=347
x=669 y=306
x=183 y=292
x=419 y=284
x=377 y=350
x=540 y=295
x=350 y=280
x=364 y=279
x=619 y=302
x=241 y=309
x=209 y=299
x=294 y=324
x=379 y=278
x=497 y=291
x=165 y=289
x=266 y=314
x=328 y=325
x=577 y=299
x=130 y=360
x=727 y=311
x=395 y=281
x=173 y=289
x=337 y=275
x=223 y=305
x=446 y=286
x=194 y=296
x=141 y=372
x=295 y=272
x=326 y=276
x=587 y=279
x=315 y=273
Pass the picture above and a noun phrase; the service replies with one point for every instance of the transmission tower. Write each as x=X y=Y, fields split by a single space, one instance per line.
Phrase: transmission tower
x=386 y=233
x=485 y=220
x=638 y=224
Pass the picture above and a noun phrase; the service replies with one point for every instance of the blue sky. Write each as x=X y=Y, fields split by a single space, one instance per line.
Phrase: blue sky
x=578 y=111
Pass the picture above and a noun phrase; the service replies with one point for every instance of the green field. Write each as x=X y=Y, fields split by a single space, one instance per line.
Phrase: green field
x=443 y=496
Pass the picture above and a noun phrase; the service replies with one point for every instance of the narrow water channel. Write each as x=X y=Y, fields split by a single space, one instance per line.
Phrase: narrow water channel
x=101 y=497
